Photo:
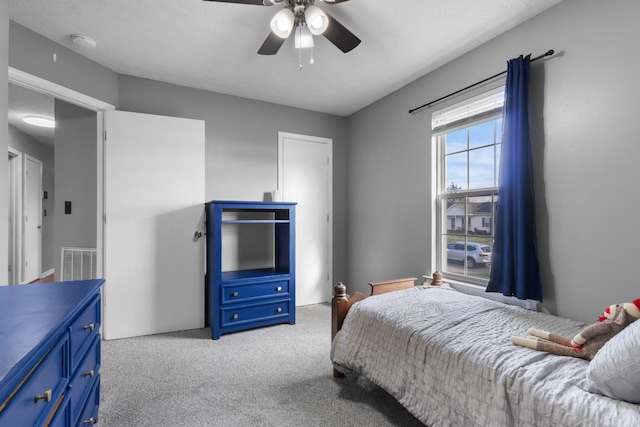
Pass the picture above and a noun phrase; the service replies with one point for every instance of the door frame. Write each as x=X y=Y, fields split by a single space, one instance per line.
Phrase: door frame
x=317 y=139
x=24 y=211
x=46 y=87
x=15 y=213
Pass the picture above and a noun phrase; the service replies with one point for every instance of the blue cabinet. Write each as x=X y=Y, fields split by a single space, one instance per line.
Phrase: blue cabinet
x=50 y=353
x=250 y=279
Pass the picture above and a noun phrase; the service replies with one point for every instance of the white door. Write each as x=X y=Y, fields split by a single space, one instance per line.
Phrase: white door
x=154 y=203
x=32 y=219
x=304 y=175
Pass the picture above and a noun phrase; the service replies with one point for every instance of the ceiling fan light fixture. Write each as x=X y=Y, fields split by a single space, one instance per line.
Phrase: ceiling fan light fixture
x=43 y=122
x=316 y=19
x=303 y=38
x=282 y=23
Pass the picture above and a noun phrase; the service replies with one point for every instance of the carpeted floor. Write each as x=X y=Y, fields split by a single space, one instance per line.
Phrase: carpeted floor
x=274 y=376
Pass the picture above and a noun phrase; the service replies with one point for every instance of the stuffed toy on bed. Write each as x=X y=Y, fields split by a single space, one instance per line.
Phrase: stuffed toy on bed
x=586 y=344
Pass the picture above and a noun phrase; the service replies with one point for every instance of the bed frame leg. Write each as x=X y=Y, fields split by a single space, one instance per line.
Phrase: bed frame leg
x=340 y=305
x=339 y=308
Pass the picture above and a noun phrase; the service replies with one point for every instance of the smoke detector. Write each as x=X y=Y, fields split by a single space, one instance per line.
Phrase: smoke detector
x=83 y=42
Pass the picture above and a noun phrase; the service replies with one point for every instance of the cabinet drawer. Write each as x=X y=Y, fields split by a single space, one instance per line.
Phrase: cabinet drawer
x=89 y=414
x=247 y=292
x=251 y=313
x=41 y=392
x=82 y=329
x=83 y=378
x=62 y=417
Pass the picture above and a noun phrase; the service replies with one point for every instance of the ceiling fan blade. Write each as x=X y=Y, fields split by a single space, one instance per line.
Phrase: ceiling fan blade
x=334 y=1
x=271 y=45
x=256 y=2
x=337 y=34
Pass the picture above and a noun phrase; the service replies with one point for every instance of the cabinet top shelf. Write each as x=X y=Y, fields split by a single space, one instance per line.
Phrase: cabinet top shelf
x=236 y=212
x=249 y=204
x=255 y=221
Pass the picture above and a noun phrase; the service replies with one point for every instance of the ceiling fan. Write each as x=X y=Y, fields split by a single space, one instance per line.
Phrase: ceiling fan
x=303 y=16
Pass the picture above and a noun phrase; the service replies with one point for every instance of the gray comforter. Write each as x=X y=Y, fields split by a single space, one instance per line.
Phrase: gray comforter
x=447 y=357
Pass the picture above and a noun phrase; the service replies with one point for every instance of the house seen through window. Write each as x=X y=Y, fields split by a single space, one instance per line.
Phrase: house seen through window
x=468 y=138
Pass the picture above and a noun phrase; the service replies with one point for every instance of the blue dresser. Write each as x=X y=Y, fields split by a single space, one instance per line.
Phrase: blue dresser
x=245 y=295
x=50 y=354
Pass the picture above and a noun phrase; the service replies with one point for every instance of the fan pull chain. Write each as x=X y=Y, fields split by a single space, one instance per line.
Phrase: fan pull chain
x=300 y=59
x=299 y=31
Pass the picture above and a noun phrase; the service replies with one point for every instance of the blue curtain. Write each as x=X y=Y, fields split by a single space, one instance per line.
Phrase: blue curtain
x=514 y=260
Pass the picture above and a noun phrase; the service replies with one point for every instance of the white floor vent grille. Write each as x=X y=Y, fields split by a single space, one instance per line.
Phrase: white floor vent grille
x=78 y=263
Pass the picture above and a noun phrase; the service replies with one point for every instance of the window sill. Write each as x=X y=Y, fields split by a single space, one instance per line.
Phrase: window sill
x=477 y=290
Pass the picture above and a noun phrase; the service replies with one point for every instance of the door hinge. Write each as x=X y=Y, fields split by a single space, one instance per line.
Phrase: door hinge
x=105 y=135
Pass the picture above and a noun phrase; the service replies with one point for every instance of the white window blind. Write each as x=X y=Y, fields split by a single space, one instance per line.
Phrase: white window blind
x=485 y=105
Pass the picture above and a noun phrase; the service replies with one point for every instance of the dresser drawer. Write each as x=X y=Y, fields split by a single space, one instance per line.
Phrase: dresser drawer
x=62 y=417
x=231 y=316
x=247 y=292
x=42 y=391
x=84 y=377
x=83 y=329
x=89 y=414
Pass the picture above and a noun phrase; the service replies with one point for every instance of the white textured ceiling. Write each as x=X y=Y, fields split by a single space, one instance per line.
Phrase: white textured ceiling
x=213 y=45
x=24 y=102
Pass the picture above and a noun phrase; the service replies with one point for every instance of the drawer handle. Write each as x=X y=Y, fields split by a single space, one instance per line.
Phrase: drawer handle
x=235 y=316
x=235 y=294
x=90 y=421
x=279 y=310
x=46 y=396
x=90 y=326
x=91 y=373
x=279 y=288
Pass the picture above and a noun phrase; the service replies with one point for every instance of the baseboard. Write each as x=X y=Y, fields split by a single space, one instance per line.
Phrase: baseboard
x=47 y=273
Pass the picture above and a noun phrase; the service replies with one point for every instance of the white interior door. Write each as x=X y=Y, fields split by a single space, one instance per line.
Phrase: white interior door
x=32 y=219
x=154 y=202
x=304 y=175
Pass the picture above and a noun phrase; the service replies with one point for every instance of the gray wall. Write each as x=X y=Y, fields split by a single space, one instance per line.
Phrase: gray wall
x=4 y=139
x=583 y=149
x=584 y=145
x=32 y=53
x=241 y=134
x=76 y=179
x=242 y=142
x=27 y=145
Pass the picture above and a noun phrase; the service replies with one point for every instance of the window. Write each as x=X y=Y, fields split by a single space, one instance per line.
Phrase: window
x=467 y=138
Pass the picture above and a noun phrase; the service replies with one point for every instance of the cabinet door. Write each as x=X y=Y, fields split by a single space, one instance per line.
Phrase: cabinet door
x=154 y=202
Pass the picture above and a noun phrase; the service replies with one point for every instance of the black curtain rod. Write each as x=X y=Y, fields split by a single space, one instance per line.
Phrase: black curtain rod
x=413 y=110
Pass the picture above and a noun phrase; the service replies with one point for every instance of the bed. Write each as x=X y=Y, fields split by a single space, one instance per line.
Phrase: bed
x=448 y=358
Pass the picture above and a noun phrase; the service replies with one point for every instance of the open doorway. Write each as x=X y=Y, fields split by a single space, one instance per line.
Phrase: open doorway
x=57 y=207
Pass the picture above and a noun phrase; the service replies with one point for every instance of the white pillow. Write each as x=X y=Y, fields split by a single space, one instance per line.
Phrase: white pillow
x=615 y=369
